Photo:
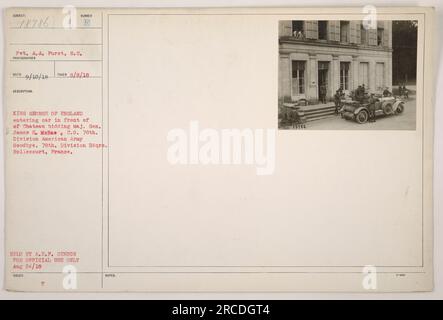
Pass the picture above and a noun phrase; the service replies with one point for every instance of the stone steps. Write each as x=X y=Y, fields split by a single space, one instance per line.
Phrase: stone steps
x=318 y=113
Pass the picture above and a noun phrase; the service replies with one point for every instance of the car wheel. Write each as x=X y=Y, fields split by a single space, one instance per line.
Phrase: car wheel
x=387 y=109
x=362 y=116
x=400 y=108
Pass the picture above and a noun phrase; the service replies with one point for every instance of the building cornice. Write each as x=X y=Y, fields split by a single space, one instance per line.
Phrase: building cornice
x=332 y=44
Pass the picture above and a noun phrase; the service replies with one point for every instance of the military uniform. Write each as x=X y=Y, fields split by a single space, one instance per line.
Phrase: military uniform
x=363 y=93
x=371 y=108
x=337 y=101
x=359 y=93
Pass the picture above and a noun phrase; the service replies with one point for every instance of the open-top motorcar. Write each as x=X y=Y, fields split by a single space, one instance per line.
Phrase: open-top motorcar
x=359 y=110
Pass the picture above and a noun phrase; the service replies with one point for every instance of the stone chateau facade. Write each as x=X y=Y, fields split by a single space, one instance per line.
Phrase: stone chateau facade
x=324 y=55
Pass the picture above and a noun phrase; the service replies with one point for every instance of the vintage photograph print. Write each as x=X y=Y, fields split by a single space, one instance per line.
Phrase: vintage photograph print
x=347 y=75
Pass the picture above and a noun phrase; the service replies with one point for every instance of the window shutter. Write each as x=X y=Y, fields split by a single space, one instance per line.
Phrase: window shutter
x=334 y=30
x=285 y=28
x=337 y=31
x=352 y=32
x=331 y=30
x=372 y=34
x=357 y=27
x=311 y=27
x=386 y=34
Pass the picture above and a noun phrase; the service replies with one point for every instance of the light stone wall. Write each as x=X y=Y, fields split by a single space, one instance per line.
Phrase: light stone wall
x=312 y=54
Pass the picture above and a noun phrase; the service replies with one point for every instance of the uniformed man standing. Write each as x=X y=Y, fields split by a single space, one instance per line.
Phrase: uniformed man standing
x=371 y=107
x=337 y=101
x=358 y=93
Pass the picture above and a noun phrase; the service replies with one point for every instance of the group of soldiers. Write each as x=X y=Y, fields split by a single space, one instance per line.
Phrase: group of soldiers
x=361 y=96
x=402 y=91
x=360 y=93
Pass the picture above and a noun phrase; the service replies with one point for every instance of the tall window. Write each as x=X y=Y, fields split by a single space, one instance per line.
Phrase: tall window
x=344 y=31
x=364 y=35
x=323 y=30
x=344 y=75
x=298 y=29
x=380 y=75
x=363 y=74
x=298 y=77
x=380 y=35
x=323 y=68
